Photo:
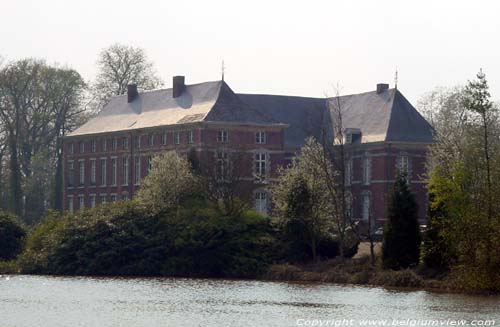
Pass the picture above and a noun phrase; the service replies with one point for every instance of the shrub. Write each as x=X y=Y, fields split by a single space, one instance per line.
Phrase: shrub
x=401 y=244
x=12 y=236
x=402 y=278
x=125 y=239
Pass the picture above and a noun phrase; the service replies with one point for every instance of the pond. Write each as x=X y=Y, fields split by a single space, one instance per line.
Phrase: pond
x=59 y=301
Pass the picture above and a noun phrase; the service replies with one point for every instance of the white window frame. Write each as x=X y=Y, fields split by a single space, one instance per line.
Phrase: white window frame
x=151 y=140
x=222 y=136
x=114 y=171
x=367 y=170
x=92 y=200
x=81 y=172
x=348 y=172
x=222 y=165
x=260 y=165
x=125 y=170
x=81 y=202
x=93 y=172
x=104 y=171
x=177 y=138
x=164 y=138
x=261 y=202
x=92 y=146
x=150 y=163
x=104 y=145
x=81 y=146
x=366 y=206
x=114 y=144
x=113 y=197
x=190 y=137
x=125 y=143
x=71 y=148
x=137 y=170
x=103 y=198
x=71 y=174
x=261 y=137
x=404 y=166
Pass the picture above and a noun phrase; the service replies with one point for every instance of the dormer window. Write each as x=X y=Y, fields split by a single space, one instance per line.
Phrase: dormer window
x=352 y=136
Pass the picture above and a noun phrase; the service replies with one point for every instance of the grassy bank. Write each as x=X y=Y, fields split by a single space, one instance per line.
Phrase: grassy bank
x=358 y=271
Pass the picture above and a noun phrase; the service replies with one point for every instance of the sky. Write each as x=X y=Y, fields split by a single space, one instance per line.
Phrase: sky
x=303 y=48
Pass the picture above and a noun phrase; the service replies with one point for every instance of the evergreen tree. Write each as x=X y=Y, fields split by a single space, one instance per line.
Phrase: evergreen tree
x=401 y=245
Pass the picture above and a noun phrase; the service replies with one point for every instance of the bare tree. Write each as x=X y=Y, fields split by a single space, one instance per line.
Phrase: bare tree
x=120 y=65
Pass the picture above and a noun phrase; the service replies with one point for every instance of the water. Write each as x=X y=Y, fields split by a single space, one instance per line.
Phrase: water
x=55 y=301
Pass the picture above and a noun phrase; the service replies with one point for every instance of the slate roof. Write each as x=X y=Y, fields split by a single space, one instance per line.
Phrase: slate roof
x=204 y=102
x=387 y=116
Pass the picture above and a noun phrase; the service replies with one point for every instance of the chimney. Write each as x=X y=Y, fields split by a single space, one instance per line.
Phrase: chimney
x=381 y=87
x=132 y=92
x=178 y=86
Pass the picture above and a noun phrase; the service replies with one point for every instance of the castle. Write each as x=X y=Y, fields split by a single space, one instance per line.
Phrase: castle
x=106 y=158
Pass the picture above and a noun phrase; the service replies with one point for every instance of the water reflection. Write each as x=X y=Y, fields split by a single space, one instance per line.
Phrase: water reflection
x=55 y=301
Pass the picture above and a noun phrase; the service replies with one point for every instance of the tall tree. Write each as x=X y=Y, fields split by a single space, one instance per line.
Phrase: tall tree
x=401 y=245
x=118 y=66
x=38 y=104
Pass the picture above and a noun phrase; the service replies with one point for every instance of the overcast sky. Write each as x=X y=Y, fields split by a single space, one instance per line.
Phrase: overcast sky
x=275 y=47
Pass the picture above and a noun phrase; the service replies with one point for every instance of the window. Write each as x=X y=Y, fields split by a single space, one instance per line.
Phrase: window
x=164 y=138
x=71 y=174
x=260 y=137
x=348 y=138
x=113 y=198
x=137 y=142
x=190 y=137
x=71 y=148
x=81 y=172
x=367 y=167
x=92 y=146
x=114 y=144
x=137 y=170
x=150 y=163
x=261 y=202
x=151 y=140
x=125 y=195
x=93 y=169
x=71 y=208
x=365 y=210
x=177 y=138
x=81 y=201
x=125 y=143
x=125 y=170
x=104 y=145
x=222 y=136
x=404 y=166
x=222 y=165
x=103 y=198
x=260 y=165
x=114 y=171
x=348 y=172
x=348 y=204
x=92 y=200
x=82 y=147
x=103 y=172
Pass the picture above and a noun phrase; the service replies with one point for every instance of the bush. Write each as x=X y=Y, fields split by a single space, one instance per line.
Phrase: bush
x=125 y=239
x=402 y=278
x=12 y=236
x=401 y=244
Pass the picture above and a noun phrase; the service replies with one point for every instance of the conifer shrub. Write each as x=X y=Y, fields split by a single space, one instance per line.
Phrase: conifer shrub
x=401 y=243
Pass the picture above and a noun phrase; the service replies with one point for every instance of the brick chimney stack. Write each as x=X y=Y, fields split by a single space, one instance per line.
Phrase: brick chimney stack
x=178 y=86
